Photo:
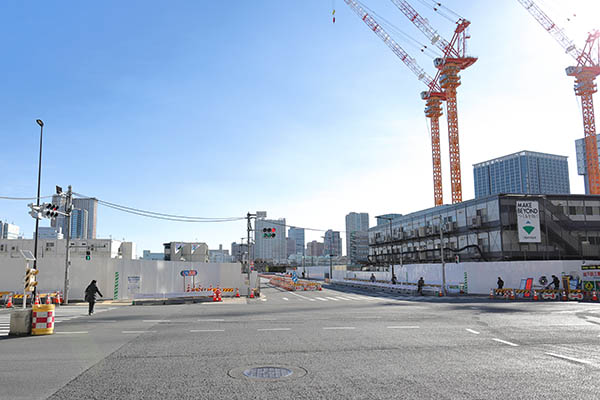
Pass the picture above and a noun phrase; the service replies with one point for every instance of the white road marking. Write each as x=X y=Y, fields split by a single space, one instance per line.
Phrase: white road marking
x=211 y=320
x=505 y=342
x=472 y=331
x=339 y=327
x=274 y=329
x=263 y=299
x=138 y=331
x=72 y=333
x=101 y=321
x=570 y=358
x=593 y=320
x=157 y=320
x=343 y=298
x=320 y=298
x=332 y=298
x=302 y=297
x=207 y=330
x=285 y=298
x=403 y=327
x=368 y=317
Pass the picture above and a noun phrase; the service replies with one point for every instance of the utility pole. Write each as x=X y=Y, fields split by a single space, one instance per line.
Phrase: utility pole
x=68 y=209
x=442 y=257
x=37 y=220
x=249 y=228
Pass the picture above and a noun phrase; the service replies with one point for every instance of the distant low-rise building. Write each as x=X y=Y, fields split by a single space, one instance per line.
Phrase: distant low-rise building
x=47 y=232
x=186 y=251
x=94 y=248
x=220 y=255
x=148 y=255
x=9 y=231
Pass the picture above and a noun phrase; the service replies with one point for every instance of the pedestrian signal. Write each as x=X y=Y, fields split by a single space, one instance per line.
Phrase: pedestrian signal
x=88 y=256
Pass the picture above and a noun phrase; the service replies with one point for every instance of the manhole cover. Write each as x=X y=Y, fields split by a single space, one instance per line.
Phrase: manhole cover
x=268 y=372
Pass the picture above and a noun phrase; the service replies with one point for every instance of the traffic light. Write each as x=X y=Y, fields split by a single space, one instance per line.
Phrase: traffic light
x=269 y=232
x=30 y=281
x=35 y=211
x=50 y=210
x=88 y=256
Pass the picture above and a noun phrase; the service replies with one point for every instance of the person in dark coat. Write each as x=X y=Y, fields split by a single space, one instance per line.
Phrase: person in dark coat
x=500 y=283
x=555 y=282
x=394 y=279
x=372 y=278
x=90 y=295
x=420 y=284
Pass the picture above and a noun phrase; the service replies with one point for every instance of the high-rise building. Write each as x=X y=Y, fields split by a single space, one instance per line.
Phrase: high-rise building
x=525 y=172
x=314 y=249
x=332 y=243
x=83 y=209
x=269 y=240
x=297 y=236
x=582 y=161
x=9 y=231
x=357 y=238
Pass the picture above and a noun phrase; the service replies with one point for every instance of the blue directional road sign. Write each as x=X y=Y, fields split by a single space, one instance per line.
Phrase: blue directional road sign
x=294 y=277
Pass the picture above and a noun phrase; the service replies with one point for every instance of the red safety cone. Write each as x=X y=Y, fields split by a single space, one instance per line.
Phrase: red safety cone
x=252 y=293
x=219 y=298
x=215 y=296
x=535 y=296
x=512 y=294
x=37 y=300
x=48 y=299
x=237 y=292
x=10 y=304
x=320 y=288
x=564 y=295
x=594 y=296
x=491 y=293
x=440 y=293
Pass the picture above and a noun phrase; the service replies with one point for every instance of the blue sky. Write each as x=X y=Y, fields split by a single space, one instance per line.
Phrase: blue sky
x=210 y=108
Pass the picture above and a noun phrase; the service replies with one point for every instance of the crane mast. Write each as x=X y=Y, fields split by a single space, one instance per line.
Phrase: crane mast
x=585 y=73
x=433 y=96
x=449 y=66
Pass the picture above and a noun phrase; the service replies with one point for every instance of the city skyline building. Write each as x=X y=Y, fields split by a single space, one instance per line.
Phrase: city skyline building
x=90 y=205
x=266 y=246
x=314 y=249
x=297 y=235
x=332 y=243
x=357 y=238
x=9 y=231
x=524 y=172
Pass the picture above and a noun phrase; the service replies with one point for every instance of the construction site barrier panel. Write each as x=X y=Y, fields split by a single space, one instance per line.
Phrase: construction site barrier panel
x=42 y=319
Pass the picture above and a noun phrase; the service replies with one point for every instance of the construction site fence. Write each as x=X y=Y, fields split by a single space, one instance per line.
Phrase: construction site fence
x=399 y=287
x=54 y=296
x=544 y=294
x=287 y=283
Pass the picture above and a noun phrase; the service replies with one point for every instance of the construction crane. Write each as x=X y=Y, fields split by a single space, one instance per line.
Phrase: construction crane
x=454 y=60
x=585 y=72
x=433 y=96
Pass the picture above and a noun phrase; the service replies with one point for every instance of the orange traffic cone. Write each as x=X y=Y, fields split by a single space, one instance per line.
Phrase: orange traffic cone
x=37 y=300
x=188 y=288
x=219 y=298
x=512 y=294
x=535 y=296
x=594 y=296
x=237 y=292
x=252 y=293
x=491 y=293
x=10 y=304
x=440 y=293
x=564 y=295
x=48 y=299
x=56 y=299
x=320 y=289
x=215 y=296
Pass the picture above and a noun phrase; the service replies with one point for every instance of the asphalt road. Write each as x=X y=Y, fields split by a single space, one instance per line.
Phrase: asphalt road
x=337 y=344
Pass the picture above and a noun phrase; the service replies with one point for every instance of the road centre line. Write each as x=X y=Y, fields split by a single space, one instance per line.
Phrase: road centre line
x=273 y=329
x=338 y=327
x=403 y=327
x=211 y=320
x=73 y=333
x=101 y=320
x=138 y=331
x=472 y=331
x=207 y=330
x=505 y=342
x=570 y=358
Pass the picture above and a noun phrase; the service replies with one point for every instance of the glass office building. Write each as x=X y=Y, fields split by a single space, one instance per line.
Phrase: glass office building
x=524 y=172
x=495 y=228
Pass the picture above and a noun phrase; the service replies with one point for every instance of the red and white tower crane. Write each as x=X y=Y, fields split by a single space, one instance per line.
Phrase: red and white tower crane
x=434 y=95
x=453 y=61
x=585 y=73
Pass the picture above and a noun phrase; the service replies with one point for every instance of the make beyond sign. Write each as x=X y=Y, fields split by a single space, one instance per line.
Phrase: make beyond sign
x=528 y=222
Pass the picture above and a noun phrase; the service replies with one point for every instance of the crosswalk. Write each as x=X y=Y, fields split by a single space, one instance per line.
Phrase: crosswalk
x=63 y=314
x=323 y=297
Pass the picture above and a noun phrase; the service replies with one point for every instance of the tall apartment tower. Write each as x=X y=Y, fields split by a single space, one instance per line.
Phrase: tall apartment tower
x=84 y=212
x=581 y=161
x=357 y=238
x=525 y=172
x=332 y=243
x=270 y=248
x=297 y=235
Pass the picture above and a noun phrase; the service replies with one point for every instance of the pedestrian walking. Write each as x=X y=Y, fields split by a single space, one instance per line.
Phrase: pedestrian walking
x=555 y=282
x=393 y=279
x=420 y=284
x=500 y=283
x=90 y=296
x=372 y=278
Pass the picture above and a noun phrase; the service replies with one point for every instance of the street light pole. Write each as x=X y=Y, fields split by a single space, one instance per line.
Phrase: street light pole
x=37 y=220
x=442 y=257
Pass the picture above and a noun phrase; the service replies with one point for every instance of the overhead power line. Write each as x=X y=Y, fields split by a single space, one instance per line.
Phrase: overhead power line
x=23 y=198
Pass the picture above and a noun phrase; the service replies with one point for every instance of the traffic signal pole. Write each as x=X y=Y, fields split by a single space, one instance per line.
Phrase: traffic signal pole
x=37 y=221
x=249 y=228
x=68 y=207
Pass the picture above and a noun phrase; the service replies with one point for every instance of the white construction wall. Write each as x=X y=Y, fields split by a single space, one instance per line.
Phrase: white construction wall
x=135 y=276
